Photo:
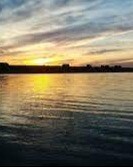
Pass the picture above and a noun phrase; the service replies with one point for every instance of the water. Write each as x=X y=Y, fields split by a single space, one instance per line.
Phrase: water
x=66 y=119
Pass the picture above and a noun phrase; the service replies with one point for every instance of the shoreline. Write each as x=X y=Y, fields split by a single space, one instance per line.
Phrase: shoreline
x=5 y=68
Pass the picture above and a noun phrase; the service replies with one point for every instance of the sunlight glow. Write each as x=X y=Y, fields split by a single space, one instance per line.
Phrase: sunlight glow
x=40 y=61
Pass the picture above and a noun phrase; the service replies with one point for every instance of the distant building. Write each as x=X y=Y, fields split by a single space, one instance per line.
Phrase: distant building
x=4 y=64
x=4 y=67
x=89 y=66
x=65 y=66
x=105 y=66
x=117 y=67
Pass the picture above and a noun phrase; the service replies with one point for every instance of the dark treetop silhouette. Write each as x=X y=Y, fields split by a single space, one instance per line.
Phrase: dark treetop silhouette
x=65 y=68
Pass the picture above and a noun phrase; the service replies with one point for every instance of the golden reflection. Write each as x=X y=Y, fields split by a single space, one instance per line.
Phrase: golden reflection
x=24 y=97
x=41 y=83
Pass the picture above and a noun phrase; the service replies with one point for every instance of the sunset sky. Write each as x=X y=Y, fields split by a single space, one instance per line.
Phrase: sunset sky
x=78 y=32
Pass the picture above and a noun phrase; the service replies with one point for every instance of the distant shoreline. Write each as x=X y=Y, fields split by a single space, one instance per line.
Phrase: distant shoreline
x=69 y=73
x=5 y=68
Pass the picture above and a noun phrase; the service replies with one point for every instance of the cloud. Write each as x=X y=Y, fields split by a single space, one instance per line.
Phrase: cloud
x=1 y=52
x=63 y=23
x=104 y=51
x=123 y=61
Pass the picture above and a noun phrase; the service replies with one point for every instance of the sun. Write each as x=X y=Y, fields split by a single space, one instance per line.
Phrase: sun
x=40 y=61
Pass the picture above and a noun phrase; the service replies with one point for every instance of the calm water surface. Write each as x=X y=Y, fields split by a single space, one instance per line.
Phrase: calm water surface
x=66 y=119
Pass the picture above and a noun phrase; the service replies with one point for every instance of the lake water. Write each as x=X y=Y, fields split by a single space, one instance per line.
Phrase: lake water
x=66 y=119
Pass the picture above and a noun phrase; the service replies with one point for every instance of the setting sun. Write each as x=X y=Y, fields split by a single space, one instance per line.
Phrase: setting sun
x=43 y=61
x=40 y=61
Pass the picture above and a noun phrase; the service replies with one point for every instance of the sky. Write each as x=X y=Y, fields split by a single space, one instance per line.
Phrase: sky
x=77 y=32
